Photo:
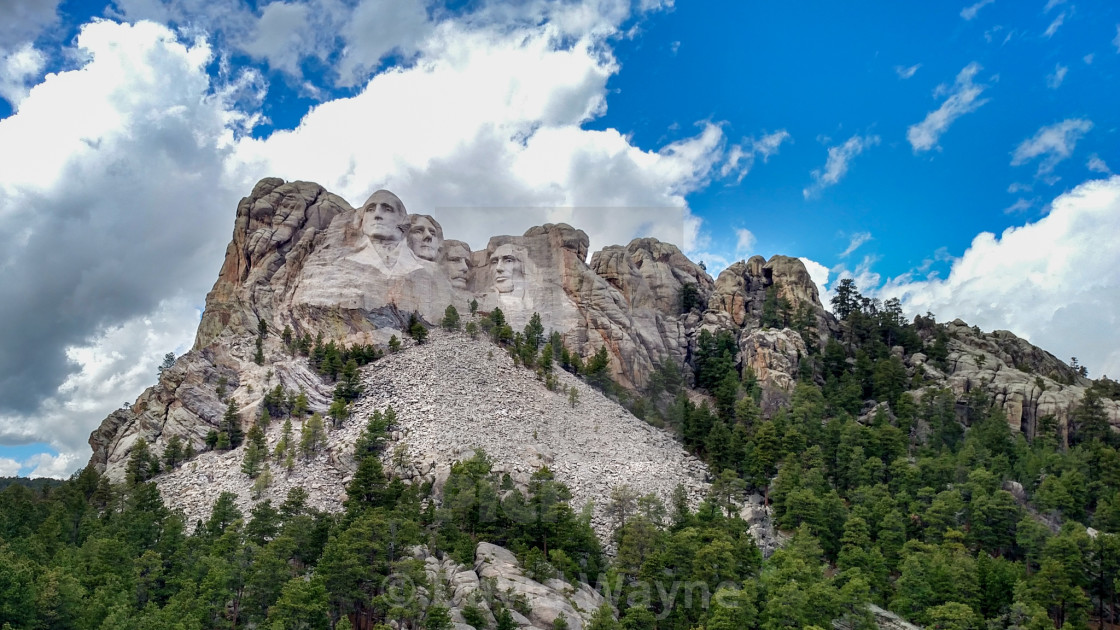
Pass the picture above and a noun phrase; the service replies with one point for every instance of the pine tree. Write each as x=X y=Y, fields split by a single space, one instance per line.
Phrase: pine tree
x=173 y=452
x=394 y=344
x=450 y=318
x=256 y=452
x=416 y=329
x=339 y=412
x=263 y=481
x=534 y=332
x=312 y=436
x=140 y=463
x=231 y=425
x=300 y=406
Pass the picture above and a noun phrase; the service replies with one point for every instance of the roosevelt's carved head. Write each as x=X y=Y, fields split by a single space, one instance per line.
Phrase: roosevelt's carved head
x=383 y=217
x=508 y=263
x=456 y=262
x=425 y=236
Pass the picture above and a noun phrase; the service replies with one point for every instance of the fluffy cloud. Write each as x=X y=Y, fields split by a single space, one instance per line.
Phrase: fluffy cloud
x=1052 y=281
x=970 y=12
x=741 y=157
x=1054 y=79
x=819 y=273
x=123 y=204
x=376 y=28
x=836 y=166
x=511 y=146
x=1052 y=143
x=963 y=97
x=17 y=69
x=22 y=20
x=124 y=210
x=48 y=465
x=9 y=467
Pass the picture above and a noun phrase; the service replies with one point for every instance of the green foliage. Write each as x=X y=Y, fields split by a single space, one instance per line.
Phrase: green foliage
x=689 y=297
x=394 y=344
x=416 y=329
x=313 y=437
x=142 y=463
x=450 y=318
x=231 y=426
x=256 y=452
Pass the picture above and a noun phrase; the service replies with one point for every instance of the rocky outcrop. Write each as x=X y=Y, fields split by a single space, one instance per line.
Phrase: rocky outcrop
x=497 y=580
x=451 y=397
x=1027 y=382
x=774 y=356
x=740 y=290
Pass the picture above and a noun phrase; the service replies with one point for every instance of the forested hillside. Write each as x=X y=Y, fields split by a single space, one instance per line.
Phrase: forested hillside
x=890 y=491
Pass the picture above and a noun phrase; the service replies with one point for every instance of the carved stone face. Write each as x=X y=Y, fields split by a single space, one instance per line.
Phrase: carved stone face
x=384 y=217
x=456 y=263
x=509 y=268
x=425 y=237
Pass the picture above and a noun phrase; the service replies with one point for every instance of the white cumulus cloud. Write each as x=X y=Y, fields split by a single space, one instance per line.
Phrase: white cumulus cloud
x=963 y=97
x=836 y=166
x=1052 y=281
x=1097 y=165
x=17 y=70
x=126 y=206
x=819 y=273
x=9 y=467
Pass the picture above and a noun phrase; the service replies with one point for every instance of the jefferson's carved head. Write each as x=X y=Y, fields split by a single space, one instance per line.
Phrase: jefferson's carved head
x=508 y=263
x=456 y=262
x=425 y=236
x=383 y=217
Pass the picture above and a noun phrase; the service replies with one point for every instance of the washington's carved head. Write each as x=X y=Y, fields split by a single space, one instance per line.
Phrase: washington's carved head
x=456 y=262
x=425 y=236
x=508 y=263
x=383 y=217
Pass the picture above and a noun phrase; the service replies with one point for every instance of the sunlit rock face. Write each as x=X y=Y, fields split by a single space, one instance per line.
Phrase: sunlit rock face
x=304 y=259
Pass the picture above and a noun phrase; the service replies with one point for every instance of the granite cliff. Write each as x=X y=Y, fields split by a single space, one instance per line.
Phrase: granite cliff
x=302 y=258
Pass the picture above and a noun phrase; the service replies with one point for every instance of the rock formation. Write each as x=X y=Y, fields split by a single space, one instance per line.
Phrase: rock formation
x=304 y=259
x=452 y=396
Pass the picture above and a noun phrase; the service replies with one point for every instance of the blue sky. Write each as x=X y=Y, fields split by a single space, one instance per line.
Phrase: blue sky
x=958 y=156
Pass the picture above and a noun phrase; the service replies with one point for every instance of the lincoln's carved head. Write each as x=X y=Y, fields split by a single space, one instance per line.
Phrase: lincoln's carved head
x=425 y=236
x=508 y=262
x=456 y=262
x=383 y=217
